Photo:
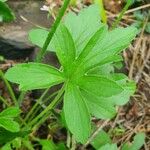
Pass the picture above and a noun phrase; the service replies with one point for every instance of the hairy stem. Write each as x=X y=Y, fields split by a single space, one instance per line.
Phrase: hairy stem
x=4 y=101
x=48 y=108
x=21 y=97
x=42 y=103
x=9 y=88
x=36 y=104
x=42 y=120
x=115 y=24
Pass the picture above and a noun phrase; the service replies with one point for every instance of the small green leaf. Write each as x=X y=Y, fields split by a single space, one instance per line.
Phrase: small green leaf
x=5 y=12
x=16 y=143
x=10 y=112
x=138 y=142
x=3 y=0
x=109 y=147
x=101 y=139
x=4 y=134
x=47 y=145
x=27 y=143
x=50 y=145
x=6 y=147
x=9 y=124
x=76 y=113
x=34 y=76
x=99 y=85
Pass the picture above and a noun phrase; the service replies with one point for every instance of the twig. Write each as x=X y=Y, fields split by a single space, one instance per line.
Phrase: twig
x=138 y=75
x=136 y=50
x=100 y=127
x=73 y=143
x=137 y=8
x=131 y=10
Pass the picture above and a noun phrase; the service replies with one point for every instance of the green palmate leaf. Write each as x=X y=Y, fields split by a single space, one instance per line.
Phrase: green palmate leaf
x=99 y=107
x=34 y=76
x=6 y=14
x=113 y=43
x=109 y=147
x=102 y=138
x=76 y=113
x=82 y=45
x=83 y=26
x=99 y=85
x=10 y=112
x=65 y=48
x=9 y=124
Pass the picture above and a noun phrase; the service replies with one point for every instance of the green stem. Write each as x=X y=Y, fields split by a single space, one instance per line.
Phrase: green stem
x=49 y=107
x=68 y=140
x=44 y=101
x=61 y=13
x=42 y=120
x=21 y=97
x=49 y=97
x=36 y=104
x=73 y=144
x=4 y=101
x=9 y=88
x=117 y=21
